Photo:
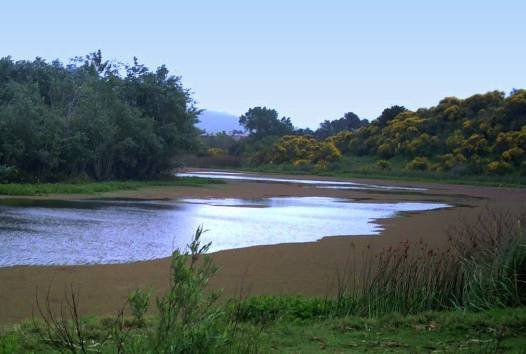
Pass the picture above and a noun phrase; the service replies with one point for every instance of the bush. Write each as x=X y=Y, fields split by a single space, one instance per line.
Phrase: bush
x=383 y=165
x=222 y=161
x=499 y=167
x=303 y=165
x=139 y=301
x=386 y=150
x=7 y=174
x=326 y=152
x=513 y=155
x=418 y=163
x=188 y=319
x=341 y=140
x=215 y=152
x=263 y=309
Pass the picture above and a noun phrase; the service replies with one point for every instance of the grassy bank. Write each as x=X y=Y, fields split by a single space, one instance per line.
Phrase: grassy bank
x=502 y=330
x=34 y=189
x=370 y=167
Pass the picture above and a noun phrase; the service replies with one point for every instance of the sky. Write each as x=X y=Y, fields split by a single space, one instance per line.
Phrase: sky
x=309 y=60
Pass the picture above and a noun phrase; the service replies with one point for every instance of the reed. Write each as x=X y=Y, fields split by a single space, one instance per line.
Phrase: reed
x=483 y=267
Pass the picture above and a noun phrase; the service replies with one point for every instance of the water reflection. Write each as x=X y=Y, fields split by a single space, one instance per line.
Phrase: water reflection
x=87 y=232
x=314 y=182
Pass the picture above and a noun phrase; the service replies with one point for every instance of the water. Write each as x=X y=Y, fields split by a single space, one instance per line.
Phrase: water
x=312 y=182
x=40 y=232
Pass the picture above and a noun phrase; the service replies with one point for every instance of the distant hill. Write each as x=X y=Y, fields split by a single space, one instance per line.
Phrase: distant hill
x=215 y=122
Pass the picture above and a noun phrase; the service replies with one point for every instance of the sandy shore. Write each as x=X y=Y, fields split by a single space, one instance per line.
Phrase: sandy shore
x=307 y=268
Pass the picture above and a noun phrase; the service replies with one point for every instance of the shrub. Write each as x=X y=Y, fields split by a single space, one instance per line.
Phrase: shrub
x=383 y=165
x=263 y=309
x=321 y=166
x=499 y=167
x=7 y=174
x=139 y=301
x=188 y=321
x=418 y=163
x=513 y=155
x=386 y=150
x=214 y=152
x=447 y=161
x=326 y=152
x=341 y=140
x=292 y=147
x=303 y=165
x=436 y=167
x=300 y=163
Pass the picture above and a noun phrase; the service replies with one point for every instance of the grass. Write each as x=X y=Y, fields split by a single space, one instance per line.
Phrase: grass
x=452 y=331
x=30 y=189
x=491 y=331
x=366 y=167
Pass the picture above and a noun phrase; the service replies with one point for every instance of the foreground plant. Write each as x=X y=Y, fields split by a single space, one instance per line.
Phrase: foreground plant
x=484 y=267
x=187 y=320
x=492 y=257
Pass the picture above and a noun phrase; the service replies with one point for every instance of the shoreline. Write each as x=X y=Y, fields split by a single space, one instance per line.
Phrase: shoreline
x=293 y=268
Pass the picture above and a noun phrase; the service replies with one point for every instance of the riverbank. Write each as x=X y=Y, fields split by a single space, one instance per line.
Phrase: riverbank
x=304 y=268
x=366 y=169
x=89 y=188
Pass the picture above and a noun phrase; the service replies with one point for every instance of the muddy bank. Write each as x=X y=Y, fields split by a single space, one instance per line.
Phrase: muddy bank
x=307 y=268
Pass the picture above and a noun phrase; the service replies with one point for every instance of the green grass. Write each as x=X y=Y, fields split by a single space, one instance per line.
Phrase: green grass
x=365 y=167
x=30 y=189
x=498 y=330
x=454 y=331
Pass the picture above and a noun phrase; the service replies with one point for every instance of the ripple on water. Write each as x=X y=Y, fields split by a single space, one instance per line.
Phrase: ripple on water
x=119 y=231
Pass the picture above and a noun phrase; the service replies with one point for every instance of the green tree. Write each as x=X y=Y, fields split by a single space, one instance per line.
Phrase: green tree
x=350 y=121
x=263 y=121
x=388 y=114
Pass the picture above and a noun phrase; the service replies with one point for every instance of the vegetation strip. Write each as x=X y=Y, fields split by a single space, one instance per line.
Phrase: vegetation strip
x=28 y=189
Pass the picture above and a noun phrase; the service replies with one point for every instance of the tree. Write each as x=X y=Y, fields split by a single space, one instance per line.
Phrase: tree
x=388 y=114
x=349 y=121
x=86 y=119
x=262 y=121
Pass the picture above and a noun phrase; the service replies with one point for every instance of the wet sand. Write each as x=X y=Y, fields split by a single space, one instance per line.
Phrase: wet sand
x=306 y=268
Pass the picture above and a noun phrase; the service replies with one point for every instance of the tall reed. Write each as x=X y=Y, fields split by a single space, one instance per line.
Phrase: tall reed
x=483 y=266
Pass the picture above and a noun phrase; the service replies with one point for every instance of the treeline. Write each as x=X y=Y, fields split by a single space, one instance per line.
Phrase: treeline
x=92 y=119
x=482 y=134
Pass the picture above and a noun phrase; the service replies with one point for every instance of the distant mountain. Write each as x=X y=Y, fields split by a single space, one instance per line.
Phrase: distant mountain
x=215 y=122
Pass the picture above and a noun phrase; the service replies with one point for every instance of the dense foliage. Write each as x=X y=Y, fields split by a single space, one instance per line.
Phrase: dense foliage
x=350 y=121
x=91 y=119
x=262 y=121
x=485 y=133
x=482 y=134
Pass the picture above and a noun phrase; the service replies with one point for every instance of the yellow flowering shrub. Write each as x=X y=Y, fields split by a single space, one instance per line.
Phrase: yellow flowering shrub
x=215 y=152
x=418 y=163
x=299 y=148
x=499 y=167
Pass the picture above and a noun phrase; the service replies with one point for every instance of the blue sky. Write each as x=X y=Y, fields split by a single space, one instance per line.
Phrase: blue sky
x=310 y=60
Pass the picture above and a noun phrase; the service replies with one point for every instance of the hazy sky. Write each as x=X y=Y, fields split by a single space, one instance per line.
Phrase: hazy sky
x=310 y=60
